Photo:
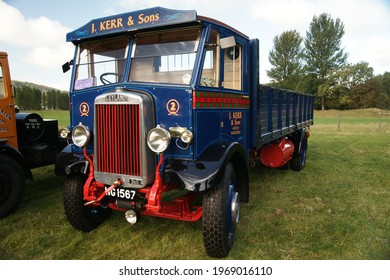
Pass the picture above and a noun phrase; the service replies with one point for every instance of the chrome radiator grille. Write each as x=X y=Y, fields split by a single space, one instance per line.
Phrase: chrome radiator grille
x=118 y=148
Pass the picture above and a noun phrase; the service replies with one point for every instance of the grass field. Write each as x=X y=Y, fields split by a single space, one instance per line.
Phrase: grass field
x=61 y=116
x=336 y=208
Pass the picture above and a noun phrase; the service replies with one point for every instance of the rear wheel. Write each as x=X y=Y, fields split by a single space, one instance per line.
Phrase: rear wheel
x=12 y=184
x=221 y=211
x=84 y=218
x=298 y=161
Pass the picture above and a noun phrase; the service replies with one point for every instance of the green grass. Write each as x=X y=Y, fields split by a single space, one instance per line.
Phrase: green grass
x=336 y=208
x=60 y=115
x=371 y=116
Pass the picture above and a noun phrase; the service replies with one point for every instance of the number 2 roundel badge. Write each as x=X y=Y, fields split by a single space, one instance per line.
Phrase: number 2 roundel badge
x=84 y=109
x=173 y=107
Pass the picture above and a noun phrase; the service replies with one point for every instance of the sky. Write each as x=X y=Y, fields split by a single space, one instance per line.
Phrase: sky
x=33 y=32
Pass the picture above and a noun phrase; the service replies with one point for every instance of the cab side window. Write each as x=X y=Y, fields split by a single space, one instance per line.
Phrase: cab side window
x=2 y=86
x=210 y=70
x=233 y=68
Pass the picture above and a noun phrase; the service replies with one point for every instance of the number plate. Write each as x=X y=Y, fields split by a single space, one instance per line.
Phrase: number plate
x=121 y=193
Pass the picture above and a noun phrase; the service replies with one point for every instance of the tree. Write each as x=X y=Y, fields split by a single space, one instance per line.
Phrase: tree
x=56 y=99
x=386 y=83
x=28 y=98
x=374 y=93
x=51 y=99
x=33 y=98
x=352 y=75
x=286 y=57
x=63 y=101
x=323 y=53
x=338 y=86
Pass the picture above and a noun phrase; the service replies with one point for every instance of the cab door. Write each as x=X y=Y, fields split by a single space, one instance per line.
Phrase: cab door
x=7 y=111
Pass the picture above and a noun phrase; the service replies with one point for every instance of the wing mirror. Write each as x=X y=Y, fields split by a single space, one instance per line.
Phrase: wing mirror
x=227 y=42
x=66 y=66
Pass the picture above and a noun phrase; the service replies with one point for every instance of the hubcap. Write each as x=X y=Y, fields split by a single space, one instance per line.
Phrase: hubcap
x=303 y=153
x=235 y=205
x=232 y=213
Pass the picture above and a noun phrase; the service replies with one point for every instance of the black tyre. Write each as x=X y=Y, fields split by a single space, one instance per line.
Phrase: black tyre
x=84 y=218
x=298 y=161
x=12 y=184
x=221 y=210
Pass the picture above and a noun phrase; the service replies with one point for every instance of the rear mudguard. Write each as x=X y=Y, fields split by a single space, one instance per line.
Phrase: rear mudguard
x=16 y=155
x=208 y=169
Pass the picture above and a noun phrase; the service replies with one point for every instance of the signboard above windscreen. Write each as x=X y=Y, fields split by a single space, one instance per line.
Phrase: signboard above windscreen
x=142 y=19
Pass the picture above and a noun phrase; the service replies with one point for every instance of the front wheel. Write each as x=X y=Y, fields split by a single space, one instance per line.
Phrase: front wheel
x=221 y=212
x=84 y=218
x=12 y=184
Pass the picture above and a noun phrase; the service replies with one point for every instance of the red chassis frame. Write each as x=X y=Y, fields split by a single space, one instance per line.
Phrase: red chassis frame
x=181 y=208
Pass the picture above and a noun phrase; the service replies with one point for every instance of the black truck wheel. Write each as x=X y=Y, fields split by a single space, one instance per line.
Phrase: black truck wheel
x=12 y=184
x=298 y=161
x=84 y=218
x=220 y=215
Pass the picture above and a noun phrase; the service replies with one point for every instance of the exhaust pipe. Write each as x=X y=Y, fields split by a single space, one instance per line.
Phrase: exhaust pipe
x=131 y=216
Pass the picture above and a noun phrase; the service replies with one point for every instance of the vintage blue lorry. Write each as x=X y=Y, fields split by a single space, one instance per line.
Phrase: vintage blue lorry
x=167 y=101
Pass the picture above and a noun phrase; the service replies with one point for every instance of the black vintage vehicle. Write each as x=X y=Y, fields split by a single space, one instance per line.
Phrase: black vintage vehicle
x=26 y=141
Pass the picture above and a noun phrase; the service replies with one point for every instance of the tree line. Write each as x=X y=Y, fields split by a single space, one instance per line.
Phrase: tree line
x=33 y=98
x=318 y=64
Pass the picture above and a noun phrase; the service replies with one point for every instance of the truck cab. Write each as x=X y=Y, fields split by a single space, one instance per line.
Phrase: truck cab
x=161 y=100
x=8 y=133
x=12 y=169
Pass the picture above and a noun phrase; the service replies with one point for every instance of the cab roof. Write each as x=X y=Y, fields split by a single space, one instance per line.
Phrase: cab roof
x=137 y=20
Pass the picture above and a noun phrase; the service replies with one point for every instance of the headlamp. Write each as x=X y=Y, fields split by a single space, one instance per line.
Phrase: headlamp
x=158 y=139
x=81 y=135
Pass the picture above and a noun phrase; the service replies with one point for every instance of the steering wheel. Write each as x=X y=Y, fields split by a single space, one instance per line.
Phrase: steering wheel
x=105 y=81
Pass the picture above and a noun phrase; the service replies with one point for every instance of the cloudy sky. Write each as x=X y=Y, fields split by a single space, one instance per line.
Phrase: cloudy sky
x=33 y=31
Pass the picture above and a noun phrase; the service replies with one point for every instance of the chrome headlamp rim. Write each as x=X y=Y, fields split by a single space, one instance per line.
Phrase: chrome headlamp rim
x=186 y=136
x=81 y=135
x=158 y=139
x=183 y=133
x=65 y=133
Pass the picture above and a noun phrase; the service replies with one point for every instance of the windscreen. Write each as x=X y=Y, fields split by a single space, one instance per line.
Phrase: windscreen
x=165 y=57
x=101 y=62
